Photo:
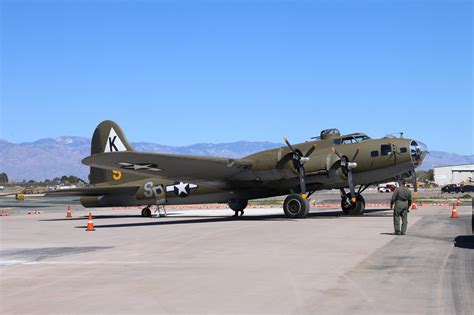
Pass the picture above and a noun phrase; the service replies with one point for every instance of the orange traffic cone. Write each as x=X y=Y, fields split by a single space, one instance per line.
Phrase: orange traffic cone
x=90 y=224
x=454 y=213
x=68 y=214
x=413 y=206
x=458 y=203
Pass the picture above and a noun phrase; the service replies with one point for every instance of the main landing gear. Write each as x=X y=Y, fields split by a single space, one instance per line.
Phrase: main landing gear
x=351 y=206
x=238 y=205
x=296 y=206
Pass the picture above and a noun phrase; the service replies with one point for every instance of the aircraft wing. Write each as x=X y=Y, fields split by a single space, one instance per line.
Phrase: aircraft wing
x=92 y=191
x=169 y=165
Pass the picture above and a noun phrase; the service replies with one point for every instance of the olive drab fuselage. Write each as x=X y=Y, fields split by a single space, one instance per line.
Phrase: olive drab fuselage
x=274 y=172
x=323 y=169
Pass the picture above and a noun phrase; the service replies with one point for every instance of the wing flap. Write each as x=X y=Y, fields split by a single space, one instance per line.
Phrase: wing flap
x=169 y=165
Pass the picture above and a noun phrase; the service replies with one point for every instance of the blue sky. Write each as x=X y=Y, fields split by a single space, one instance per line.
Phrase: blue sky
x=183 y=72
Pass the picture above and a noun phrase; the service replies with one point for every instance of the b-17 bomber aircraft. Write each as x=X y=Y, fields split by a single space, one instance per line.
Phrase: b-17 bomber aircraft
x=120 y=176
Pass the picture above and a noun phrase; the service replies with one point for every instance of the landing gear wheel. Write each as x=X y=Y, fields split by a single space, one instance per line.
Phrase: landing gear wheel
x=146 y=212
x=237 y=204
x=356 y=208
x=296 y=206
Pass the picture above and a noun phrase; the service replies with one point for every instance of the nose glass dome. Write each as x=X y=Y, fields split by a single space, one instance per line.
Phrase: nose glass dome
x=418 y=152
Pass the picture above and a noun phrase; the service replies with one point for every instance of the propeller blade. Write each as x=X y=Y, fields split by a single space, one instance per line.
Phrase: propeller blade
x=300 y=160
x=302 y=180
x=289 y=145
x=355 y=154
x=351 y=185
x=310 y=151
x=333 y=149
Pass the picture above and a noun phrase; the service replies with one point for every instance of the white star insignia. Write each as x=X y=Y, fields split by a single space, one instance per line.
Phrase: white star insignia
x=182 y=188
x=140 y=166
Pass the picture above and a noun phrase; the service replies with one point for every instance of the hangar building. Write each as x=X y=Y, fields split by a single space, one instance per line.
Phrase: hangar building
x=453 y=174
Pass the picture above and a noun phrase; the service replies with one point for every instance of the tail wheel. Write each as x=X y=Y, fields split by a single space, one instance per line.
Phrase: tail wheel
x=146 y=212
x=296 y=206
x=356 y=208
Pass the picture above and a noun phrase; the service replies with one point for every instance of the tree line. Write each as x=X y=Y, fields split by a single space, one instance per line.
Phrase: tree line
x=71 y=179
x=3 y=178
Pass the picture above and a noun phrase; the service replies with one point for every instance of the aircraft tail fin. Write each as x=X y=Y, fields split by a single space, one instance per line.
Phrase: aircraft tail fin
x=109 y=137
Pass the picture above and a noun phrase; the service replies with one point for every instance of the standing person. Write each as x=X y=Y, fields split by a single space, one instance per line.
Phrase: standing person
x=401 y=199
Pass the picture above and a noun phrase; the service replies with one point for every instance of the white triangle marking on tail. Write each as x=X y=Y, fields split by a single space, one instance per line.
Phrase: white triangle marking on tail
x=114 y=143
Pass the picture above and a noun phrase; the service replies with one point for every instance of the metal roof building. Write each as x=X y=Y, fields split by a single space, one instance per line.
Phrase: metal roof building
x=453 y=174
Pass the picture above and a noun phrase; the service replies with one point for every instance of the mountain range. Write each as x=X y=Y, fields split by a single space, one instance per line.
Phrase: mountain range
x=52 y=157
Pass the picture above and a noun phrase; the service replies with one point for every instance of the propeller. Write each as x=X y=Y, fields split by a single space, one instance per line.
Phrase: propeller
x=356 y=153
x=299 y=160
x=347 y=167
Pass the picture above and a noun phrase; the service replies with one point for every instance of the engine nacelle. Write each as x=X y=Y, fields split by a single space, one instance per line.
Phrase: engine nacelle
x=91 y=201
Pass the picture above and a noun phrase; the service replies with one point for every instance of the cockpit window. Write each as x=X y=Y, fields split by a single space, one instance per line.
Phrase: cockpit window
x=354 y=139
x=348 y=140
x=362 y=138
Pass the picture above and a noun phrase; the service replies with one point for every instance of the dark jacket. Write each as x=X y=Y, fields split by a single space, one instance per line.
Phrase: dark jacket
x=401 y=198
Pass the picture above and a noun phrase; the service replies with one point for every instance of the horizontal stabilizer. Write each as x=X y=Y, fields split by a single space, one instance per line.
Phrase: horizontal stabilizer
x=93 y=191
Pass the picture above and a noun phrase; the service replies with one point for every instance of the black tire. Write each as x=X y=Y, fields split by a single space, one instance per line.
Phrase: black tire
x=237 y=204
x=146 y=212
x=350 y=208
x=296 y=206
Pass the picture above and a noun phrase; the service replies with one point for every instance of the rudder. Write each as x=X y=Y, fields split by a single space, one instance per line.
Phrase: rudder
x=109 y=137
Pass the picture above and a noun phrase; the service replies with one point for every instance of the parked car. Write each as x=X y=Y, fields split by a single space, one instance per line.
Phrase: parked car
x=467 y=188
x=387 y=188
x=451 y=188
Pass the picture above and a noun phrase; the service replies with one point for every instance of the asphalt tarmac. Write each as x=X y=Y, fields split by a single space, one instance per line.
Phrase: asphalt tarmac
x=204 y=261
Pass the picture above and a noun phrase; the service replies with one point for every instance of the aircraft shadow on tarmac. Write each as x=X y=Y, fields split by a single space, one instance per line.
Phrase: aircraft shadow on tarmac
x=215 y=219
x=447 y=239
x=39 y=254
x=464 y=241
x=98 y=217
x=25 y=206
